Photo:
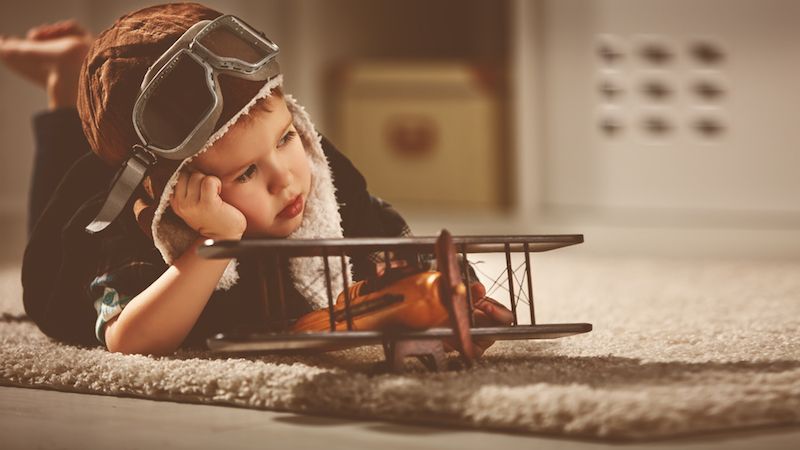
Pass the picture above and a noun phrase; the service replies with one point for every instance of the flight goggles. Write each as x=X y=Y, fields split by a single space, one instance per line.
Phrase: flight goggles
x=180 y=99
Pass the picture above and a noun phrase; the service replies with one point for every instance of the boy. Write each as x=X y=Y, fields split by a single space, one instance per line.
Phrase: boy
x=253 y=166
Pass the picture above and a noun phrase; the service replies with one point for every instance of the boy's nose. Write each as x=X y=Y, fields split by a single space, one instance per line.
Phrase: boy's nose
x=280 y=178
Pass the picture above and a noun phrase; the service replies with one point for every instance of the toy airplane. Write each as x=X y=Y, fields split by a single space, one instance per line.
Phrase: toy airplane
x=409 y=310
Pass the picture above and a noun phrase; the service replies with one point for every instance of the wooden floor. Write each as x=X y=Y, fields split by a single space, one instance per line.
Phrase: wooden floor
x=31 y=418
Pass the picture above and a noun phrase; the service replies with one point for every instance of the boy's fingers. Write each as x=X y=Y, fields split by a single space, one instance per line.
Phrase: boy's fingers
x=193 y=187
x=210 y=188
x=495 y=311
x=175 y=199
x=180 y=188
x=478 y=290
x=176 y=191
x=182 y=193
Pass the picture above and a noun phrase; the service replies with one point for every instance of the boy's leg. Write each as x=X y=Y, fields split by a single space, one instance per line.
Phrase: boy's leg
x=51 y=57
x=59 y=143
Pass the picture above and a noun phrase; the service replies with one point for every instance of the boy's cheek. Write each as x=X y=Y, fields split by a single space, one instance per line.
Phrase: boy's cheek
x=235 y=196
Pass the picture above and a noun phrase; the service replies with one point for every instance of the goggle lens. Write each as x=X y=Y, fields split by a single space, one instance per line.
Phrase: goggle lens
x=227 y=43
x=178 y=104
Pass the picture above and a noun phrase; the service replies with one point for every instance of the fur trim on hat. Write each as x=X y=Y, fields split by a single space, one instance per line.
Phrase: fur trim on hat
x=321 y=218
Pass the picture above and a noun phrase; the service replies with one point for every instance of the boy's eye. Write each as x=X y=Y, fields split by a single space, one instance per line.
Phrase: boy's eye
x=286 y=138
x=247 y=175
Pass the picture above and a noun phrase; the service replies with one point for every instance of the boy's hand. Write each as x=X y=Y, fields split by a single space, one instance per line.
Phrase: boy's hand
x=196 y=199
x=488 y=313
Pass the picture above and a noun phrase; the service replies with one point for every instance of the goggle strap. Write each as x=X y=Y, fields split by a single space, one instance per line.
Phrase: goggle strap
x=125 y=184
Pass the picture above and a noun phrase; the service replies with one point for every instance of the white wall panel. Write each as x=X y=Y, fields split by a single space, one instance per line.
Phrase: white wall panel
x=750 y=165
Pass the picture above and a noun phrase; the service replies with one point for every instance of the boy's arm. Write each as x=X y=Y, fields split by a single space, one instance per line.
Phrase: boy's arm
x=158 y=319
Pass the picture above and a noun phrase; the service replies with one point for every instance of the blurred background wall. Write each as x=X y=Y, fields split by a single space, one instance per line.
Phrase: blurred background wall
x=650 y=126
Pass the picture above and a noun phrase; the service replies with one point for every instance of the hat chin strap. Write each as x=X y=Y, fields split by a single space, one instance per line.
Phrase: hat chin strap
x=126 y=182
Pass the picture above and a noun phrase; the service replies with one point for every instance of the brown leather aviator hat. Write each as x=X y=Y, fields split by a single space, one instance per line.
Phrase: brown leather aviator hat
x=113 y=78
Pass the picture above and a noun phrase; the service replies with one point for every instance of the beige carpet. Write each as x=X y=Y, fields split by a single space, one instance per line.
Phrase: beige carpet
x=679 y=346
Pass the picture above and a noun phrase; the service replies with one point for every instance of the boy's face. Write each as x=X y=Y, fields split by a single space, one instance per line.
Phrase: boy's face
x=264 y=170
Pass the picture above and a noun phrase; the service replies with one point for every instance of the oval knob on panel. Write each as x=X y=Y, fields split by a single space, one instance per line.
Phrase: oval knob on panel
x=657 y=125
x=707 y=89
x=709 y=127
x=706 y=52
x=656 y=53
x=656 y=89
x=610 y=49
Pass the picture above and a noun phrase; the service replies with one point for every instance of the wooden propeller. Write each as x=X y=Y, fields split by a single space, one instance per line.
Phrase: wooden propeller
x=453 y=293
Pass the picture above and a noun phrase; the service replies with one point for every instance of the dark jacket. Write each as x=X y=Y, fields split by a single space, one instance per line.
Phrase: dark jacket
x=61 y=259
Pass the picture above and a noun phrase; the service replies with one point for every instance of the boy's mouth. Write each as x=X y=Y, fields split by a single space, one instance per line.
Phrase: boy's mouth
x=292 y=209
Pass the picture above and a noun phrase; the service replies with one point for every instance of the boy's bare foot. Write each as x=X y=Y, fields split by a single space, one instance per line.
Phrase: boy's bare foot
x=50 y=56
